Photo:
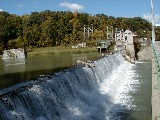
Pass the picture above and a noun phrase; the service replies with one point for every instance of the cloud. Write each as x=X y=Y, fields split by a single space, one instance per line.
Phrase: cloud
x=20 y=5
x=157 y=24
x=72 y=6
x=148 y=16
x=1 y=10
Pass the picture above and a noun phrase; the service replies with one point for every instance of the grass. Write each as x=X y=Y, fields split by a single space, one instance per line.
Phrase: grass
x=59 y=50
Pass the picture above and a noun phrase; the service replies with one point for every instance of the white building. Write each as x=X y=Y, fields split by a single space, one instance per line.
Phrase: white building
x=125 y=36
x=125 y=40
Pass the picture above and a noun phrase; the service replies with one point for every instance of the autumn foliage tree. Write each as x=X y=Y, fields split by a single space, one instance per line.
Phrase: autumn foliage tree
x=52 y=28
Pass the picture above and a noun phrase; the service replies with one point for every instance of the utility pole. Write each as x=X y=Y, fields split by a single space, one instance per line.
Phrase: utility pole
x=112 y=32
x=116 y=35
x=92 y=29
x=153 y=31
x=84 y=32
x=107 y=32
x=88 y=30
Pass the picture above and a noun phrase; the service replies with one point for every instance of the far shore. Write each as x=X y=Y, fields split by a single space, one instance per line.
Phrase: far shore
x=58 y=50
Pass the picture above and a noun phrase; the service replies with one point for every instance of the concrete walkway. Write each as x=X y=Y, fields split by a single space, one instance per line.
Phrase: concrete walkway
x=155 y=88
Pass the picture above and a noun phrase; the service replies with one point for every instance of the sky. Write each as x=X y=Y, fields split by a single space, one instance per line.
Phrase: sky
x=116 y=8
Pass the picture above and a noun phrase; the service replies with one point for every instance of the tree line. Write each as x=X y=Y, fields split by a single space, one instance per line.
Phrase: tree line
x=53 y=28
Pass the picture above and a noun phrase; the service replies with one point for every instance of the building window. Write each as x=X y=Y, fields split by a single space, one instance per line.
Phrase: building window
x=125 y=38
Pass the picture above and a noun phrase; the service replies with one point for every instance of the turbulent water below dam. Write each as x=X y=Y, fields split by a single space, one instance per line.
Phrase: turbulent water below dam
x=113 y=89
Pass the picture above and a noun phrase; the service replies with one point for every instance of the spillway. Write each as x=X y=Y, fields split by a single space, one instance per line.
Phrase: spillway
x=78 y=93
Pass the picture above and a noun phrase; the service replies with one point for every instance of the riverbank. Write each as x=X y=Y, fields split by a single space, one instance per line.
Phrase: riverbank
x=58 y=50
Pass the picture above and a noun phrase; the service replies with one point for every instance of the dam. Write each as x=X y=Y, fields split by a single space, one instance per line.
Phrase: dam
x=113 y=89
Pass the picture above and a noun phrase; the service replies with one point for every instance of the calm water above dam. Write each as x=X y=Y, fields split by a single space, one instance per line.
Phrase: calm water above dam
x=113 y=90
x=13 y=72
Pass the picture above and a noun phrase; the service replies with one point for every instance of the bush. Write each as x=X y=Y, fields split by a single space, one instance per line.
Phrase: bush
x=91 y=43
x=1 y=50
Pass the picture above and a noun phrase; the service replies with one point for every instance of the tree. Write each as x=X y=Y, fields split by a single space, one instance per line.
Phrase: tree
x=51 y=28
x=49 y=33
x=10 y=27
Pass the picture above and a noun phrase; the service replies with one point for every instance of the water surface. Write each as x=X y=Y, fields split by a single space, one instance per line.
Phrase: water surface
x=140 y=96
x=113 y=90
x=16 y=71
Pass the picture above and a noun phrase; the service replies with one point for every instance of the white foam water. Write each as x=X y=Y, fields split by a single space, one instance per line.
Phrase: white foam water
x=80 y=93
x=118 y=86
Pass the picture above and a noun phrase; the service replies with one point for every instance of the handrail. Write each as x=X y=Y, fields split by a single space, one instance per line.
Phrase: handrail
x=157 y=61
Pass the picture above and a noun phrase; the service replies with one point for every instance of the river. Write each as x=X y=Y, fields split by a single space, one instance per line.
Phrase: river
x=16 y=71
x=113 y=90
x=140 y=95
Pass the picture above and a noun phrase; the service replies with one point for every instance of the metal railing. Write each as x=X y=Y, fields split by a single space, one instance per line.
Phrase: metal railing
x=156 y=56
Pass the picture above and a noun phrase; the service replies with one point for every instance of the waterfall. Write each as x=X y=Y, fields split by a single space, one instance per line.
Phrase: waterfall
x=78 y=93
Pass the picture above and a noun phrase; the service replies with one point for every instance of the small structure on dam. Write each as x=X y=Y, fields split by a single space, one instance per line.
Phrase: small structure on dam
x=13 y=53
x=125 y=42
x=103 y=45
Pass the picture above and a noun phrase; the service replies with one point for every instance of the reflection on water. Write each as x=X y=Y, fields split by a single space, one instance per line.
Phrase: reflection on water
x=8 y=62
x=14 y=71
x=13 y=65
x=141 y=94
